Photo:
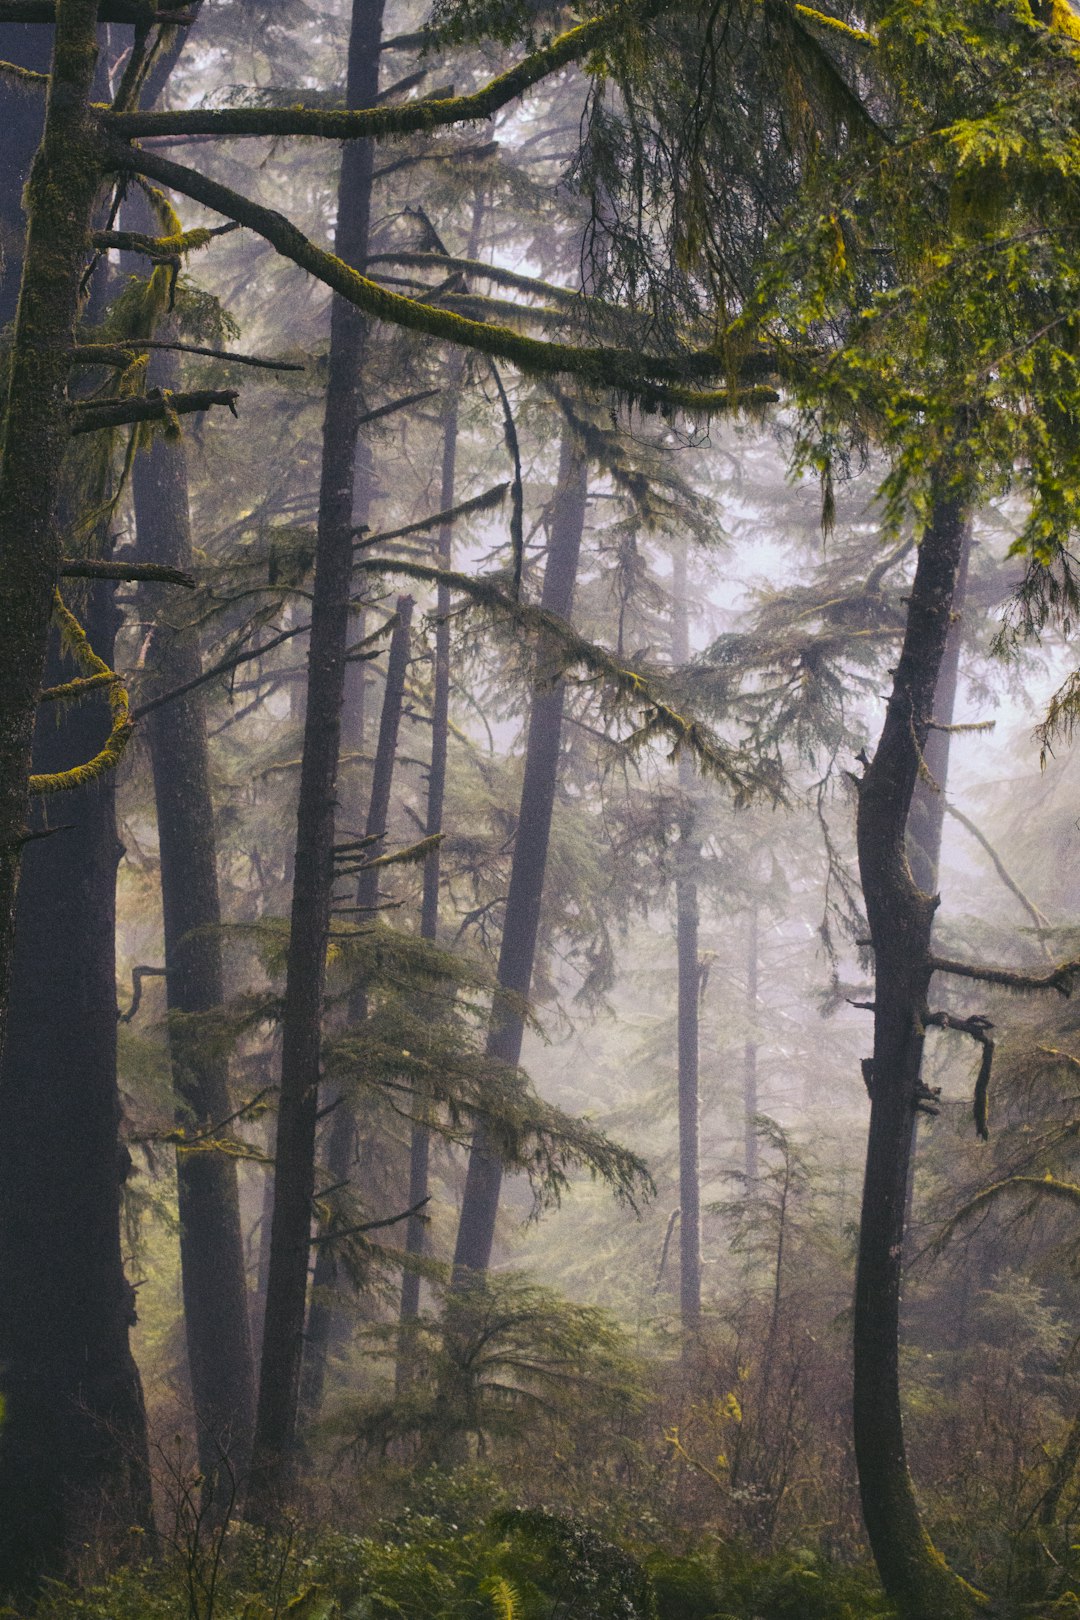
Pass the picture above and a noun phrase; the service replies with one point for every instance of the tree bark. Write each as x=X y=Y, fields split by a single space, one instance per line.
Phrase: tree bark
x=420 y=1138
x=687 y=857
x=341 y=1148
x=900 y=916
x=73 y=1459
x=211 y=1241
x=476 y=1228
x=294 y=1169
x=60 y=196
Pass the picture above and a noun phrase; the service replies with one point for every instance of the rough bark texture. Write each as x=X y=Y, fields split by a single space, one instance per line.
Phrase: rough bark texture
x=687 y=856
x=73 y=1463
x=211 y=1241
x=61 y=194
x=21 y=117
x=341 y=1147
x=294 y=1169
x=900 y=916
x=476 y=1229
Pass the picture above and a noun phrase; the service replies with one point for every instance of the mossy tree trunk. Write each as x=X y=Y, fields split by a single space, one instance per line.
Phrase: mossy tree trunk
x=61 y=194
x=900 y=915
x=480 y=1205
x=211 y=1240
x=73 y=1461
x=294 y=1169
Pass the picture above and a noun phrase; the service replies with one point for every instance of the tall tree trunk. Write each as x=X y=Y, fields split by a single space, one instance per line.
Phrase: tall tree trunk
x=900 y=916
x=61 y=193
x=21 y=116
x=73 y=1460
x=341 y=1148
x=687 y=857
x=420 y=1138
x=750 y=1050
x=211 y=1240
x=294 y=1169
x=476 y=1228
x=926 y=821
x=73 y=1463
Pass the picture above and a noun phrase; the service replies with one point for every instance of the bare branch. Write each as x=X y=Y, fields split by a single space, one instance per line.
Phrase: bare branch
x=98 y=568
x=1059 y=978
x=91 y=416
x=122 y=355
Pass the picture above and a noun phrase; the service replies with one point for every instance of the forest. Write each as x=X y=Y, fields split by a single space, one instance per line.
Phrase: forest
x=539 y=874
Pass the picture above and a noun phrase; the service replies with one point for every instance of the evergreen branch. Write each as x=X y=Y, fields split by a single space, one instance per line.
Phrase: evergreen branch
x=732 y=765
x=99 y=568
x=417 y=116
x=653 y=381
x=1047 y=1186
x=160 y=405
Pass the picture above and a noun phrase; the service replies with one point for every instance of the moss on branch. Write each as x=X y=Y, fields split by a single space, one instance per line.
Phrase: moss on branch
x=417 y=116
x=655 y=382
x=96 y=672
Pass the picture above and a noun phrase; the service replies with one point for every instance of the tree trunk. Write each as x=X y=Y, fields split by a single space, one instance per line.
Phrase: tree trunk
x=900 y=916
x=687 y=857
x=341 y=1149
x=60 y=196
x=73 y=1460
x=21 y=116
x=750 y=1051
x=476 y=1229
x=420 y=1139
x=211 y=1240
x=294 y=1169
x=927 y=818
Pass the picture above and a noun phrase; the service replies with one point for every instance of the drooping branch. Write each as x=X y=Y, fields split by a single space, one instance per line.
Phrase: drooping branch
x=745 y=776
x=979 y=1029
x=94 y=415
x=653 y=381
x=414 y=117
x=138 y=974
x=108 y=756
x=1039 y=918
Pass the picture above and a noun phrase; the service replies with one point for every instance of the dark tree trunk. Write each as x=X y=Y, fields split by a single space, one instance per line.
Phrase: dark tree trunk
x=900 y=916
x=211 y=1240
x=687 y=857
x=61 y=194
x=750 y=1051
x=926 y=821
x=341 y=1147
x=73 y=1459
x=476 y=1229
x=21 y=116
x=294 y=1169
x=420 y=1139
